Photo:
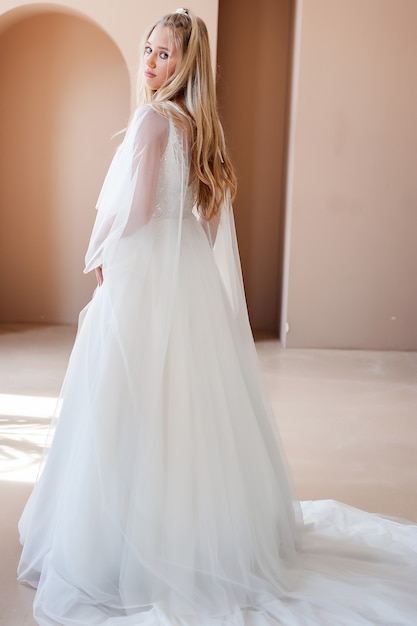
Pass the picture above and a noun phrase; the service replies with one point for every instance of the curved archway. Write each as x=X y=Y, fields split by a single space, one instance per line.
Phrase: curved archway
x=64 y=92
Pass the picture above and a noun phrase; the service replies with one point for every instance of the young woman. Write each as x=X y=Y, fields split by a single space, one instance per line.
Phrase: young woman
x=165 y=499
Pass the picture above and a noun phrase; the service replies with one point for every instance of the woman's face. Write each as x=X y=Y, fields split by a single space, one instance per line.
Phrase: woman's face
x=160 y=60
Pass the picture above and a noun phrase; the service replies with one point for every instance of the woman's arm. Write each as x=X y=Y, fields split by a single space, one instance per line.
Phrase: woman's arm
x=127 y=198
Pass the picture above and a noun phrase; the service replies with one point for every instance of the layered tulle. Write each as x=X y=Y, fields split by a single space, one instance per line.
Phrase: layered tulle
x=165 y=498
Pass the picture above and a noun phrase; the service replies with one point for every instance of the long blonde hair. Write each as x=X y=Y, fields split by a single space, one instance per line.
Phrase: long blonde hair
x=192 y=88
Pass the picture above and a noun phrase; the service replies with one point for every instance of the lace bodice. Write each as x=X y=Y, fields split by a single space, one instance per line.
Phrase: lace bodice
x=172 y=185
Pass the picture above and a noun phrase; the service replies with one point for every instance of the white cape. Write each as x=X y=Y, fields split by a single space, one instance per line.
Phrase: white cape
x=165 y=499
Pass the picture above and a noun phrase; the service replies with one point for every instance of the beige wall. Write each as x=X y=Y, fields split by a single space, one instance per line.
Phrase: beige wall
x=352 y=250
x=67 y=84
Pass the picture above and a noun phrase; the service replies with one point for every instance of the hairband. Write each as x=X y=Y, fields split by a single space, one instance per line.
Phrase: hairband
x=182 y=12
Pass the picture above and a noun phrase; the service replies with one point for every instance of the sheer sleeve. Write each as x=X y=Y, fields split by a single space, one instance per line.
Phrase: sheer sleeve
x=210 y=227
x=226 y=255
x=127 y=198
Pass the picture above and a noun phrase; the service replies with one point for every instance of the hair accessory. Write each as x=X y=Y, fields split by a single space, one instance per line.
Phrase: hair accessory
x=182 y=12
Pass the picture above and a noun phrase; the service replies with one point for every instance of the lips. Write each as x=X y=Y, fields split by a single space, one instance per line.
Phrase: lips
x=149 y=74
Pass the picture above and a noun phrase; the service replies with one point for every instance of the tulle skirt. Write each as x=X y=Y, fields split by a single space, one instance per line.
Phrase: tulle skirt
x=165 y=498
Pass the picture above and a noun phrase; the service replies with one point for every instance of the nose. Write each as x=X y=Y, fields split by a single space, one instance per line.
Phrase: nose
x=151 y=60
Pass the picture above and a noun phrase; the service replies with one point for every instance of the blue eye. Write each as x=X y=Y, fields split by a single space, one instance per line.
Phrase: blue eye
x=148 y=50
x=164 y=55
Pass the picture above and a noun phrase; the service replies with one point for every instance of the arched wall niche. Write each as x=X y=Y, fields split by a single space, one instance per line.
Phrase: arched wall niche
x=64 y=93
x=24 y=11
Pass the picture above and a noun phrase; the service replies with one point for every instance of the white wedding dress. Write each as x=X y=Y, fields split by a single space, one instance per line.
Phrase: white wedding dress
x=165 y=499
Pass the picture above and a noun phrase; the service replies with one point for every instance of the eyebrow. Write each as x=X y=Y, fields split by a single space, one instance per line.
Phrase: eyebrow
x=160 y=47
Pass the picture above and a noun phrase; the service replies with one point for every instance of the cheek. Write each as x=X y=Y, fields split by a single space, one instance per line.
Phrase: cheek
x=171 y=68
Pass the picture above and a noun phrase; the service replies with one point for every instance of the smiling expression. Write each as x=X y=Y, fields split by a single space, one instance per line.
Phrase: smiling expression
x=160 y=57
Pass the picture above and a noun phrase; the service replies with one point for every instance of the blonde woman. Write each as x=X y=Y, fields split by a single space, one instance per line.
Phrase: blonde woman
x=165 y=498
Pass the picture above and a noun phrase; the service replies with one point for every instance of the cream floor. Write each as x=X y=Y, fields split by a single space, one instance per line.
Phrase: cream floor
x=348 y=421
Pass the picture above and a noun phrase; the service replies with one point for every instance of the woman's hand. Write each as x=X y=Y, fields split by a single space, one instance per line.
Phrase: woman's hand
x=99 y=275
